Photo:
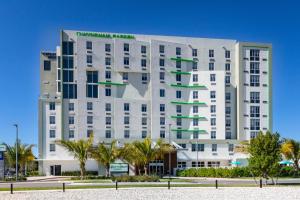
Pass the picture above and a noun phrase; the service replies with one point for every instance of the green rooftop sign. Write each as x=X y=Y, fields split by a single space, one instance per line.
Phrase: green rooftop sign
x=105 y=35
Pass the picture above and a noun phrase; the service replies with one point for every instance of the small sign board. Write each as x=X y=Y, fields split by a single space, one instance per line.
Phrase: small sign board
x=2 y=147
x=118 y=167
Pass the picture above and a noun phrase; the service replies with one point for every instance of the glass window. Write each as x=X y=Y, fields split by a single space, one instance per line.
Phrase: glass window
x=162 y=93
x=195 y=94
x=162 y=121
x=89 y=133
x=126 y=120
x=126 y=47
x=52 y=106
x=108 y=74
x=195 y=122
x=178 y=94
x=198 y=147
x=254 y=97
x=108 y=120
x=179 y=135
x=126 y=133
x=126 y=60
x=68 y=76
x=89 y=119
x=212 y=94
x=125 y=76
x=107 y=133
x=68 y=62
x=144 y=77
x=162 y=107
x=228 y=122
x=71 y=106
x=228 y=135
x=162 y=134
x=214 y=147
x=47 y=65
x=52 y=119
x=89 y=59
x=255 y=124
x=71 y=120
x=71 y=133
x=227 y=96
x=144 y=108
x=195 y=109
x=211 y=53
x=126 y=106
x=108 y=107
x=52 y=133
x=254 y=54
x=213 y=108
x=230 y=147
x=67 y=48
x=89 y=105
x=254 y=67
x=162 y=76
x=92 y=86
x=194 y=52
x=144 y=134
x=195 y=77
x=89 y=45
x=178 y=108
x=227 y=79
x=178 y=122
x=161 y=49
x=107 y=92
x=254 y=111
x=195 y=135
x=178 y=77
x=178 y=64
x=227 y=54
x=52 y=147
x=211 y=66
x=227 y=66
x=107 y=61
x=253 y=134
x=213 y=78
x=181 y=164
x=107 y=47
x=143 y=62
x=144 y=121
x=178 y=51
x=213 y=134
x=195 y=65
x=161 y=62
x=143 y=49
x=228 y=110
x=213 y=121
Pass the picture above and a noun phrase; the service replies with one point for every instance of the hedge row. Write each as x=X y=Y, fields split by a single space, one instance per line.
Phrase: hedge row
x=77 y=173
x=144 y=178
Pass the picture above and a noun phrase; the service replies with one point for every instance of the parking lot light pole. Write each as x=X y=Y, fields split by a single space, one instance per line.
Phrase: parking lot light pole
x=16 y=125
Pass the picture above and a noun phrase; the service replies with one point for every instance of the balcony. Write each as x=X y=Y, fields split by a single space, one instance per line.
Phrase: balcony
x=112 y=83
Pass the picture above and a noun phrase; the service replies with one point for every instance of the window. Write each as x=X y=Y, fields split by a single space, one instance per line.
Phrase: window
x=68 y=76
x=162 y=134
x=52 y=106
x=107 y=61
x=89 y=133
x=143 y=49
x=254 y=67
x=178 y=64
x=178 y=94
x=92 y=84
x=107 y=47
x=194 y=52
x=214 y=147
x=199 y=164
x=162 y=76
x=213 y=164
x=108 y=120
x=195 y=135
x=178 y=51
x=254 y=97
x=227 y=79
x=52 y=133
x=181 y=164
x=195 y=77
x=211 y=66
x=162 y=107
x=178 y=77
x=144 y=121
x=68 y=62
x=89 y=45
x=253 y=134
x=108 y=107
x=144 y=108
x=213 y=121
x=126 y=133
x=143 y=62
x=108 y=74
x=179 y=122
x=213 y=78
x=195 y=65
x=211 y=53
x=52 y=119
x=228 y=122
x=182 y=145
x=227 y=54
x=67 y=48
x=125 y=76
x=213 y=109
x=161 y=62
x=47 y=65
x=89 y=105
x=71 y=133
x=195 y=109
x=195 y=94
x=52 y=147
x=227 y=66
x=161 y=49
x=227 y=96
x=126 y=47
x=107 y=92
x=126 y=107
x=162 y=121
x=71 y=119
x=195 y=122
x=228 y=110
x=254 y=124
x=144 y=134
x=126 y=120
x=71 y=106
x=89 y=119
x=178 y=108
x=230 y=147
x=126 y=60
x=254 y=111
x=213 y=134
x=107 y=133
x=212 y=94
x=199 y=147
x=162 y=93
x=179 y=135
x=89 y=59
x=144 y=77
x=254 y=54
x=69 y=91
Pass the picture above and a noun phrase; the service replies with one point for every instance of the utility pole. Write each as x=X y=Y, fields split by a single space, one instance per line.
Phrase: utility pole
x=17 y=135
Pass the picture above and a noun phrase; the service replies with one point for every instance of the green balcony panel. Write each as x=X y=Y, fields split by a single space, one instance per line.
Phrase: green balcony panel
x=183 y=59
x=188 y=117
x=112 y=83
x=188 y=103
x=182 y=73
x=189 y=130
x=189 y=86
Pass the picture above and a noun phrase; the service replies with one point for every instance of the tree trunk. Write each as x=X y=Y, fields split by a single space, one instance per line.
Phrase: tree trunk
x=82 y=170
x=107 y=170
x=145 y=169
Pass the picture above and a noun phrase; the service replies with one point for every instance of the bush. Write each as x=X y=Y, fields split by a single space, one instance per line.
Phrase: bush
x=127 y=178
x=287 y=171
x=77 y=173
x=32 y=173
x=89 y=177
x=20 y=178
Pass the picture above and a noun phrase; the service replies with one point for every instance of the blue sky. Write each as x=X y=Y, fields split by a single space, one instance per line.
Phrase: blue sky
x=27 y=27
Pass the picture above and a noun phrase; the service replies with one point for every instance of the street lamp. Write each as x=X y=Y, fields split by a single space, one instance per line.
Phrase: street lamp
x=170 y=151
x=16 y=125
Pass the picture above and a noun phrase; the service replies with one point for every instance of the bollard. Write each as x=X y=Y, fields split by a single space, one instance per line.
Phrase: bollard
x=260 y=183
x=169 y=185
x=11 y=188
x=116 y=185
x=64 y=187
x=216 y=184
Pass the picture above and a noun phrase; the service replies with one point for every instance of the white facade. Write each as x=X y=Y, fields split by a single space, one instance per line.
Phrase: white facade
x=218 y=89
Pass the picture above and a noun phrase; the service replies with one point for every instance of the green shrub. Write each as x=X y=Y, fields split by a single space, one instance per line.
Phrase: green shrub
x=127 y=178
x=20 y=178
x=32 y=173
x=77 y=173
x=89 y=177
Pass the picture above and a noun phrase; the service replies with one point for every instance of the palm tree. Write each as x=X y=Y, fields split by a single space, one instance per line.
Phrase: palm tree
x=291 y=150
x=25 y=155
x=105 y=154
x=80 y=149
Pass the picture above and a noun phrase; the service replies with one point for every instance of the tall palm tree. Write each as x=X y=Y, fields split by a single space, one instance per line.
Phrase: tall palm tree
x=291 y=150
x=105 y=154
x=80 y=149
x=25 y=155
